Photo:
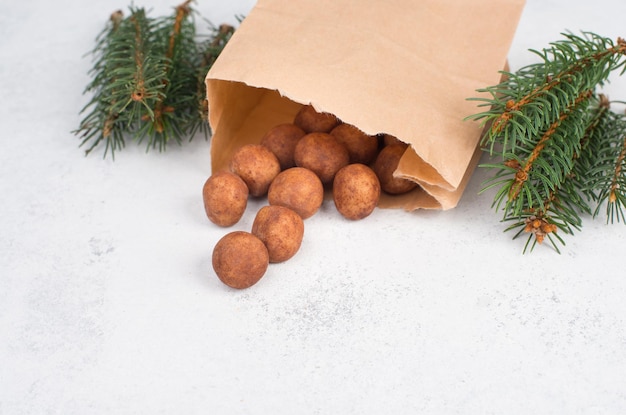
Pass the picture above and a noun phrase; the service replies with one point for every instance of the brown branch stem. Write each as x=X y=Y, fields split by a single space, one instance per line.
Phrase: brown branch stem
x=616 y=174
x=182 y=11
x=139 y=92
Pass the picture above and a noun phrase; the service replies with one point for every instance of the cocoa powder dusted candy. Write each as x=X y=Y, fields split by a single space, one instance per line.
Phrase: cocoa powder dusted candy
x=386 y=164
x=281 y=230
x=312 y=121
x=240 y=259
x=257 y=166
x=322 y=154
x=356 y=191
x=389 y=139
x=281 y=140
x=225 y=197
x=361 y=147
x=298 y=189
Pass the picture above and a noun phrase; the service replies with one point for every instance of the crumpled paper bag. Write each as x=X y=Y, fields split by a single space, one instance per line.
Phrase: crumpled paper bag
x=401 y=67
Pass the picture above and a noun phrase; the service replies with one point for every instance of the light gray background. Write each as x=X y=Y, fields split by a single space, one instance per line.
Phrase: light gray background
x=108 y=303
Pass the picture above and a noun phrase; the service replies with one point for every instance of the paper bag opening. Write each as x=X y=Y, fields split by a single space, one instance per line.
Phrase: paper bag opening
x=401 y=67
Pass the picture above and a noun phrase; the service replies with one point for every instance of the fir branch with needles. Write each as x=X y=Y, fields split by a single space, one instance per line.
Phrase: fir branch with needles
x=148 y=80
x=557 y=149
x=607 y=178
x=210 y=48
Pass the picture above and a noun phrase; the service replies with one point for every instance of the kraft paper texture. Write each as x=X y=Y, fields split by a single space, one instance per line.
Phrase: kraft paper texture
x=401 y=67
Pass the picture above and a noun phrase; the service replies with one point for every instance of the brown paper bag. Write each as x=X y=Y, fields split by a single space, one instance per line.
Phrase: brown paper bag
x=401 y=67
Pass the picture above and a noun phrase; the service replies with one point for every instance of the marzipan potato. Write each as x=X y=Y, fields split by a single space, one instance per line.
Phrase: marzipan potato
x=281 y=230
x=257 y=166
x=322 y=154
x=298 y=189
x=356 y=191
x=225 y=197
x=361 y=147
x=384 y=166
x=281 y=140
x=312 y=121
x=240 y=259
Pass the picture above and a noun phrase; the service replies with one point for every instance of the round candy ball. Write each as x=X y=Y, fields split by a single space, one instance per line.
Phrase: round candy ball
x=362 y=147
x=356 y=191
x=389 y=139
x=225 y=197
x=322 y=154
x=281 y=140
x=386 y=164
x=240 y=259
x=281 y=230
x=298 y=189
x=257 y=166
x=312 y=121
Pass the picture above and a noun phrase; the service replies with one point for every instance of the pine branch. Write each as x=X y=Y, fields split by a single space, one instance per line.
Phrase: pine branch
x=102 y=122
x=536 y=95
x=162 y=130
x=554 y=137
x=608 y=175
x=207 y=52
x=148 y=75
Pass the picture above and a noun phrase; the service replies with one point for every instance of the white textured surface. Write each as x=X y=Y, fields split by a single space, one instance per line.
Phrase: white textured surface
x=108 y=303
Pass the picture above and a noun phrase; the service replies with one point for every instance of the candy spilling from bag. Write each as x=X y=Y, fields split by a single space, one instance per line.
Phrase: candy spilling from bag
x=370 y=73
